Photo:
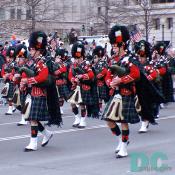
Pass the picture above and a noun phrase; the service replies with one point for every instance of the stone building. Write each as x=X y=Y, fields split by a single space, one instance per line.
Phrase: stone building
x=88 y=17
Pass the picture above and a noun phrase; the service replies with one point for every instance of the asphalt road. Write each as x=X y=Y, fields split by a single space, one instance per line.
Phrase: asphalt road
x=88 y=151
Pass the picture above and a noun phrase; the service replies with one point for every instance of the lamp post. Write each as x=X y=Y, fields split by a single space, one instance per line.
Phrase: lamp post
x=163 y=21
x=171 y=30
x=163 y=32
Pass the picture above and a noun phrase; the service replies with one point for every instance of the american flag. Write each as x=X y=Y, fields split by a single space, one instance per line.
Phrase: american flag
x=135 y=33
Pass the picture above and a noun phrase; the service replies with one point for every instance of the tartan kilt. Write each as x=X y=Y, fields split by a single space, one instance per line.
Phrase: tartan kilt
x=39 y=109
x=64 y=91
x=11 y=90
x=94 y=92
x=103 y=92
x=87 y=97
x=128 y=110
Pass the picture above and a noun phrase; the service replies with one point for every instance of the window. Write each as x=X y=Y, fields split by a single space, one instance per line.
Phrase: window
x=157 y=23
x=2 y=14
x=161 y=1
x=28 y=14
x=12 y=13
x=126 y=2
x=99 y=10
x=170 y=23
x=19 y=13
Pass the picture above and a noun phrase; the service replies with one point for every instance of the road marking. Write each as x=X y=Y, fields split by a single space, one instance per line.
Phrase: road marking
x=54 y=132
x=67 y=117
x=68 y=130
x=3 y=124
x=8 y=123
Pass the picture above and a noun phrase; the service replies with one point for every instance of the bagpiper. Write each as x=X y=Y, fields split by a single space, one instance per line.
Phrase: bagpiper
x=164 y=80
x=121 y=107
x=62 y=64
x=143 y=53
x=43 y=103
x=81 y=76
x=21 y=53
x=7 y=73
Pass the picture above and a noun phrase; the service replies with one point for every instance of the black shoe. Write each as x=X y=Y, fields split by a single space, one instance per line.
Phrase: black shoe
x=154 y=123
x=119 y=156
x=80 y=127
x=14 y=110
x=19 y=124
x=8 y=113
x=75 y=126
x=28 y=150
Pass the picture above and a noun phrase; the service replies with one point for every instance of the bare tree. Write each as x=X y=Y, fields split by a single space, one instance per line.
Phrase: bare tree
x=111 y=11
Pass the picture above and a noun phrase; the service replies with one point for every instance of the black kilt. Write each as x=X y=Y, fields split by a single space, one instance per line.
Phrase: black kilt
x=64 y=91
x=128 y=110
x=39 y=109
x=11 y=90
x=103 y=92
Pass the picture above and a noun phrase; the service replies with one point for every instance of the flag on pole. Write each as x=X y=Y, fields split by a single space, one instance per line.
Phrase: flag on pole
x=135 y=33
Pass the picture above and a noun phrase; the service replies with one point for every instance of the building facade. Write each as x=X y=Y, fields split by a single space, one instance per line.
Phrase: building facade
x=88 y=17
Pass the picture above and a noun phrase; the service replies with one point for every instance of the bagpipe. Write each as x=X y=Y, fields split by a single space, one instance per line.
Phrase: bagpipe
x=32 y=72
x=113 y=110
x=118 y=70
x=75 y=97
x=80 y=70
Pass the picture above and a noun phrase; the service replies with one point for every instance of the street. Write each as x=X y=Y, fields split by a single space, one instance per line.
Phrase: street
x=88 y=151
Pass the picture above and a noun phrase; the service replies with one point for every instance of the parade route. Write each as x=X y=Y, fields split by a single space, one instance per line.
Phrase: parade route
x=88 y=151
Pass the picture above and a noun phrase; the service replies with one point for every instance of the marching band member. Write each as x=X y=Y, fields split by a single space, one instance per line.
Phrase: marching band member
x=121 y=107
x=7 y=73
x=41 y=108
x=143 y=51
x=61 y=74
x=21 y=53
x=101 y=68
x=81 y=77
x=160 y=64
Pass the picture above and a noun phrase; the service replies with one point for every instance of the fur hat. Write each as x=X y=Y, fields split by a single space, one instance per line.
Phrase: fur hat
x=38 y=40
x=78 y=50
x=119 y=35
x=61 y=52
x=99 y=51
x=21 y=51
x=143 y=48
x=160 y=47
x=11 y=52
